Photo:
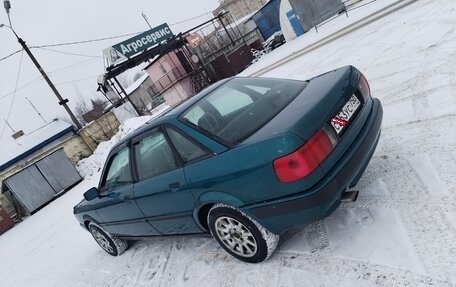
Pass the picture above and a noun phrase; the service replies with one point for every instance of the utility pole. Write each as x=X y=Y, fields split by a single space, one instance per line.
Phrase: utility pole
x=62 y=102
x=7 y=5
x=145 y=18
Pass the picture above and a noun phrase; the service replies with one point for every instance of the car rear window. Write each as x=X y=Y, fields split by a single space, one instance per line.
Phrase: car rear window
x=241 y=106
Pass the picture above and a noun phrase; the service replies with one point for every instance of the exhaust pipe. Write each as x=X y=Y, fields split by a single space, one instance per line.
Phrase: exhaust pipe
x=349 y=196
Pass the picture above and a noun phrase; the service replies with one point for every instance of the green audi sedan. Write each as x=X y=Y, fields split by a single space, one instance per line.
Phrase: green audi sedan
x=246 y=160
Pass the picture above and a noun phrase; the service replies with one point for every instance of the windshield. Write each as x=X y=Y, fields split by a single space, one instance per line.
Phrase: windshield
x=241 y=106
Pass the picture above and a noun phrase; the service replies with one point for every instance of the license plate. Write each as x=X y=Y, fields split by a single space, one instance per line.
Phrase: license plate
x=340 y=121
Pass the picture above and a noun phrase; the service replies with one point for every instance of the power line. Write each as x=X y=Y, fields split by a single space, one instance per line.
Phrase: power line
x=95 y=40
x=22 y=87
x=72 y=67
x=64 y=69
x=189 y=19
x=111 y=37
x=91 y=41
x=51 y=50
x=85 y=41
x=12 y=54
x=14 y=95
x=75 y=81
x=67 y=53
x=51 y=74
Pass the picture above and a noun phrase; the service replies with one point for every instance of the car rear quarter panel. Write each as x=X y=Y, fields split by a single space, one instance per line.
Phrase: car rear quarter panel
x=322 y=199
x=244 y=172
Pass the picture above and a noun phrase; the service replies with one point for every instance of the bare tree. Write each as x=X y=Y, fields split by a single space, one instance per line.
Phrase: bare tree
x=80 y=109
x=137 y=75
x=124 y=80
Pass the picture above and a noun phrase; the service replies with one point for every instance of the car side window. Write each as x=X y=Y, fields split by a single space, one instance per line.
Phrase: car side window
x=194 y=115
x=154 y=156
x=118 y=171
x=186 y=148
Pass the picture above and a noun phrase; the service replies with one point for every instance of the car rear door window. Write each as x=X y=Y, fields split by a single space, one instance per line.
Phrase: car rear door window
x=153 y=156
x=194 y=115
x=118 y=171
x=188 y=150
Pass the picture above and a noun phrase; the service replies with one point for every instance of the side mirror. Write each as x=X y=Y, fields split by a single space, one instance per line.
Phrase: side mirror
x=91 y=194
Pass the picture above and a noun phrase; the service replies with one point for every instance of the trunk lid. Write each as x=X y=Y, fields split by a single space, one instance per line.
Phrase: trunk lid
x=323 y=97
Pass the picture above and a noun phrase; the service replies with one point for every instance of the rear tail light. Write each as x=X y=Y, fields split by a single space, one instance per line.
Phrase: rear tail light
x=307 y=158
x=363 y=87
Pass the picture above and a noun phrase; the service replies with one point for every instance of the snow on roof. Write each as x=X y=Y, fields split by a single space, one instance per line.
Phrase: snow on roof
x=29 y=143
x=130 y=89
x=244 y=19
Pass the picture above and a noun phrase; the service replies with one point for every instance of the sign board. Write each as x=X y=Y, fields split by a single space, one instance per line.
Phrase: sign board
x=137 y=44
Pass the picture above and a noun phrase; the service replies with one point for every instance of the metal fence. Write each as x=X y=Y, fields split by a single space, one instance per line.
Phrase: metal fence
x=348 y=6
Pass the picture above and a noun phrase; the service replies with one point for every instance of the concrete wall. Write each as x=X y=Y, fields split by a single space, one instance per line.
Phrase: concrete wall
x=76 y=149
x=100 y=130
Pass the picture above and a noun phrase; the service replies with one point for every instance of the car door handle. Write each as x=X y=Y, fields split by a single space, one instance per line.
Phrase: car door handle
x=174 y=185
x=128 y=197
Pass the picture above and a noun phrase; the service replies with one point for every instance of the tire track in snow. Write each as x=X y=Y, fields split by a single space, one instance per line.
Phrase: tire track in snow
x=426 y=121
x=423 y=213
x=366 y=272
x=427 y=174
x=317 y=236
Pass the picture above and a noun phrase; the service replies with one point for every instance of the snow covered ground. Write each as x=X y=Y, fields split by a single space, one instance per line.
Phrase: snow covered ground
x=400 y=232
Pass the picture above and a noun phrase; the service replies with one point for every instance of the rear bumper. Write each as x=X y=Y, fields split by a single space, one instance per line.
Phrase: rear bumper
x=319 y=202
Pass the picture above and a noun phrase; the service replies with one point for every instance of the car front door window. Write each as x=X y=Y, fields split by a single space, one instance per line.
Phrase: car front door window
x=118 y=172
x=154 y=156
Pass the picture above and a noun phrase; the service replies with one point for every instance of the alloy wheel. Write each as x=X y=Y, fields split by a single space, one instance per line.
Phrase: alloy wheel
x=236 y=236
x=103 y=241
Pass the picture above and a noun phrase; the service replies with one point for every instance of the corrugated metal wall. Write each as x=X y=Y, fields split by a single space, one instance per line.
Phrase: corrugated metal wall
x=314 y=12
x=38 y=184
x=58 y=170
x=267 y=19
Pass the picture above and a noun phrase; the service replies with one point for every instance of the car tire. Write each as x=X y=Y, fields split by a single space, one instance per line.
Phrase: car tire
x=108 y=242
x=240 y=235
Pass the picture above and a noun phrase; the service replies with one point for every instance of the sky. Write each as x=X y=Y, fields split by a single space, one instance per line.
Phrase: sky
x=48 y=22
